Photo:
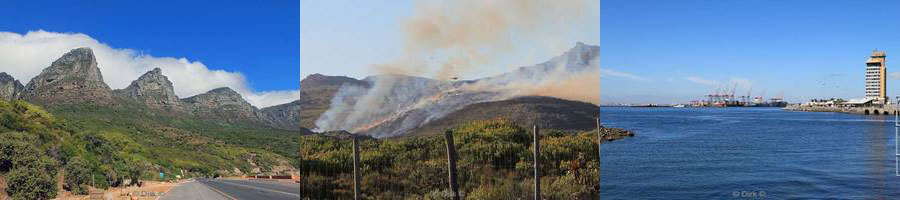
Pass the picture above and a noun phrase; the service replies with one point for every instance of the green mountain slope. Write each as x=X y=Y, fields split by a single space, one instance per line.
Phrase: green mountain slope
x=114 y=144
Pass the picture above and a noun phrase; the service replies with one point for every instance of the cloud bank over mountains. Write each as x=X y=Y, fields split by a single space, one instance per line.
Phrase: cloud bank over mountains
x=25 y=55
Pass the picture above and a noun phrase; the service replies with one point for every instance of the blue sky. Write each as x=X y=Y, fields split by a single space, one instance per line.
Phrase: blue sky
x=259 y=39
x=802 y=49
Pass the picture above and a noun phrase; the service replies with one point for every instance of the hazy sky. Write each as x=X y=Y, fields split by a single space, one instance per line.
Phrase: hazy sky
x=652 y=51
x=345 y=37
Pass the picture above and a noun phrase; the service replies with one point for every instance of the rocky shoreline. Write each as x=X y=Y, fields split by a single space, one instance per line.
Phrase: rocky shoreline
x=612 y=134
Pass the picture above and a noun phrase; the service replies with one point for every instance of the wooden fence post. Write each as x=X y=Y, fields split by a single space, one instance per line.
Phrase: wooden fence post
x=537 y=163
x=357 y=194
x=451 y=165
x=599 y=139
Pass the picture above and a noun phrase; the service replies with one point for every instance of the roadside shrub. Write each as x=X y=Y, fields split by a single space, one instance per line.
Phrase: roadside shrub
x=30 y=183
x=31 y=174
x=113 y=178
x=78 y=176
x=135 y=175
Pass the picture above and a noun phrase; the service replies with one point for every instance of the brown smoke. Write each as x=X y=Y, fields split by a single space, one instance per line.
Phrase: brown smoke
x=448 y=38
x=582 y=87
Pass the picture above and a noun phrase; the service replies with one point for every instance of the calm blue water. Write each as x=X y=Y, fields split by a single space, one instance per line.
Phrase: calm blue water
x=693 y=153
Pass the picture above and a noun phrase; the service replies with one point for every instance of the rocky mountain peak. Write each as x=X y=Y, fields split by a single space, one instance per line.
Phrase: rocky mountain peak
x=583 y=53
x=80 y=61
x=74 y=77
x=221 y=102
x=319 y=81
x=9 y=87
x=152 y=89
x=224 y=91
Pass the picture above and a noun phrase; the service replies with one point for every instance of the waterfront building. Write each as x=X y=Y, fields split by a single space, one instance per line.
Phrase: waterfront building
x=876 y=81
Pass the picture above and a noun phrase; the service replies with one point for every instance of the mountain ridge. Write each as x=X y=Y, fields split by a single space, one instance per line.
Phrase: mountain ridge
x=75 y=78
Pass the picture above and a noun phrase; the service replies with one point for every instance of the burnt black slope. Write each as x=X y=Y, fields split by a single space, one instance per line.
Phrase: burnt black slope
x=547 y=112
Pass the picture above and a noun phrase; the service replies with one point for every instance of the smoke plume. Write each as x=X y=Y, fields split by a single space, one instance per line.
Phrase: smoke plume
x=445 y=41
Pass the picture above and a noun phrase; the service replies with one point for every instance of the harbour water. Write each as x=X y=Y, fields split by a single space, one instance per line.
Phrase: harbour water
x=726 y=153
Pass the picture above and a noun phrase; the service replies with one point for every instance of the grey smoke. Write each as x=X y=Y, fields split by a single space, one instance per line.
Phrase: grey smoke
x=396 y=104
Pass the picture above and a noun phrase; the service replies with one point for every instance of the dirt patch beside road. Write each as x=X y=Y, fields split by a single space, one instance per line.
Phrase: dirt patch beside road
x=151 y=190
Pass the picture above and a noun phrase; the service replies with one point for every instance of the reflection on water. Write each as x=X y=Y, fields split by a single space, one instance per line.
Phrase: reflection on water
x=691 y=153
x=875 y=152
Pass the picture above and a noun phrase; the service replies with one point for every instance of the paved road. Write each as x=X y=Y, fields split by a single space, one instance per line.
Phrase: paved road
x=234 y=189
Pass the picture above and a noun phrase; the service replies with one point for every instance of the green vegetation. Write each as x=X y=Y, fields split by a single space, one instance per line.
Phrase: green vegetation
x=494 y=163
x=114 y=146
x=170 y=142
x=30 y=150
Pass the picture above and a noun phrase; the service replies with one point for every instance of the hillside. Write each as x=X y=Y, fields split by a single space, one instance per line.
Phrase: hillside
x=398 y=105
x=67 y=119
x=121 y=145
x=547 y=112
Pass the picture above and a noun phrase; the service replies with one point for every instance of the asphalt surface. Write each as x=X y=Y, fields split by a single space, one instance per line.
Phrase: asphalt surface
x=192 y=190
x=234 y=189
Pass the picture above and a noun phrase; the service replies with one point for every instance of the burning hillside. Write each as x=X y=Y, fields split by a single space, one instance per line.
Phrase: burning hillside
x=444 y=40
x=396 y=104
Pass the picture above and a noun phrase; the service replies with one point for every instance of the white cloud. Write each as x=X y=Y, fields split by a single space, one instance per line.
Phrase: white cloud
x=24 y=56
x=619 y=74
x=702 y=81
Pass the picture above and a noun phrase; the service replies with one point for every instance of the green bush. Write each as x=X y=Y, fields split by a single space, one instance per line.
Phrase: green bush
x=30 y=183
x=31 y=174
x=134 y=174
x=78 y=176
x=562 y=187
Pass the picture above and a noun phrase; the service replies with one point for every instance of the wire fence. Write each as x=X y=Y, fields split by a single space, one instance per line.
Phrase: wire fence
x=493 y=160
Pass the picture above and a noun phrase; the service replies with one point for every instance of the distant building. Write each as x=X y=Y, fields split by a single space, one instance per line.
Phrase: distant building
x=876 y=82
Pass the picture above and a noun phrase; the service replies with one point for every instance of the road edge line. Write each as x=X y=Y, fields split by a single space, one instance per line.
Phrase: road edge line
x=220 y=192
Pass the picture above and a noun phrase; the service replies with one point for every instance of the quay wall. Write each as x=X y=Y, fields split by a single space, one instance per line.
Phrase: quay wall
x=870 y=110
